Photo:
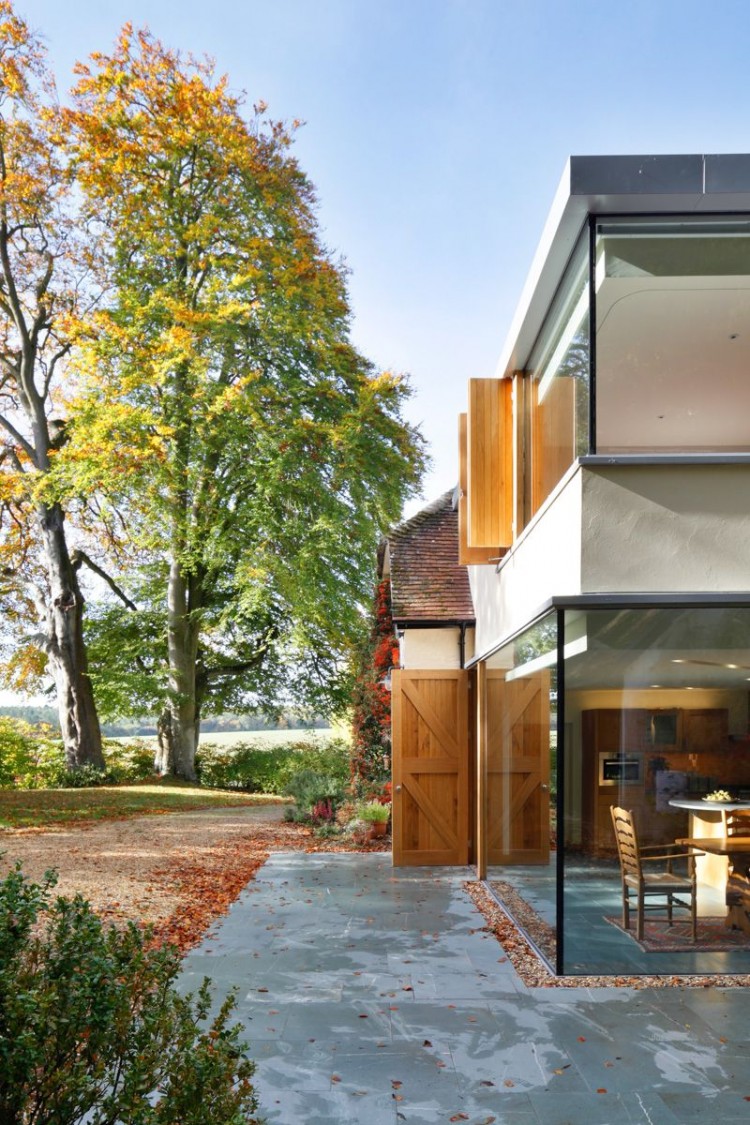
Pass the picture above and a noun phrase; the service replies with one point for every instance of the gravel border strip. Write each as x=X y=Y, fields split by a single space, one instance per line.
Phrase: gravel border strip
x=535 y=974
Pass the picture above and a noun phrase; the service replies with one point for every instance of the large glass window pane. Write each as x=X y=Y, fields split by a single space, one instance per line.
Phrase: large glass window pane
x=673 y=335
x=560 y=377
x=520 y=779
x=656 y=719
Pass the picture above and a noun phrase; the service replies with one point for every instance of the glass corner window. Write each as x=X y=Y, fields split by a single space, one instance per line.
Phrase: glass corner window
x=656 y=742
x=672 y=334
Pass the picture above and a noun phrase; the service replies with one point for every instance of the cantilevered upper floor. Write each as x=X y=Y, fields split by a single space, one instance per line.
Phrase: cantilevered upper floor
x=630 y=350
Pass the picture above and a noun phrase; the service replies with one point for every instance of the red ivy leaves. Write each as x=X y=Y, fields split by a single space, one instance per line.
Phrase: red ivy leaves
x=371 y=723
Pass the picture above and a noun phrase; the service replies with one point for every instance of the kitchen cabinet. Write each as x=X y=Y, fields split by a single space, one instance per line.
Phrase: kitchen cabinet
x=676 y=739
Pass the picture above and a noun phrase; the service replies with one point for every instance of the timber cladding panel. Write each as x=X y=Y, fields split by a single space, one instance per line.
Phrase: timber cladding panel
x=430 y=768
x=554 y=440
x=469 y=556
x=489 y=479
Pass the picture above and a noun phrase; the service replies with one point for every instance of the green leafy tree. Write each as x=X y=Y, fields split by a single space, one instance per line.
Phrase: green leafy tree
x=93 y=1030
x=255 y=452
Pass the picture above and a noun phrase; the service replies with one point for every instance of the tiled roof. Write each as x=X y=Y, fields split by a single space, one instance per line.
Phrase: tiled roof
x=427 y=582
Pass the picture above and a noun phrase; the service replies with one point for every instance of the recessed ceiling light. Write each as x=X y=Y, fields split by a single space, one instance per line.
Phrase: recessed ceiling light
x=731 y=665
x=678 y=661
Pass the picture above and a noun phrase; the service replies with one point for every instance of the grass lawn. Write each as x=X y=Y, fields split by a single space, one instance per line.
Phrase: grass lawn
x=37 y=808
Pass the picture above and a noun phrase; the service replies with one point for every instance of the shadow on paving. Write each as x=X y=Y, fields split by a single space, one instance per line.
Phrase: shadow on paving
x=374 y=995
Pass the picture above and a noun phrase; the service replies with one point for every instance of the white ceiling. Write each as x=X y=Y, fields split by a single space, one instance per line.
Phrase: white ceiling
x=600 y=669
x=673 y=363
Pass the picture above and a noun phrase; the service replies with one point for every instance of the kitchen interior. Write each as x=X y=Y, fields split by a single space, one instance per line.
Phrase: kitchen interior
x=646 y=751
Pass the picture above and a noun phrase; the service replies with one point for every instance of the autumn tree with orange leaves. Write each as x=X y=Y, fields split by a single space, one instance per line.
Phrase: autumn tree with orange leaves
x=42 y=291
x=255 y=454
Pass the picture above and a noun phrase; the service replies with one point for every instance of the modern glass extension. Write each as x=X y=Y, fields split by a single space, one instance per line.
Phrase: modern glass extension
x=640 y=707
x=560 y=375
x=664 y=370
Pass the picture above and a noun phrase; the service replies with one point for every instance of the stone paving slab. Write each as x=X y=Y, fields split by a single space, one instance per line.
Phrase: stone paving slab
x=360 y=1007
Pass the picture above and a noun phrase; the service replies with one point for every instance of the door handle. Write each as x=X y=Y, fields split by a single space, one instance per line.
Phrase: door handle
x=398 y=788
x=544 y=787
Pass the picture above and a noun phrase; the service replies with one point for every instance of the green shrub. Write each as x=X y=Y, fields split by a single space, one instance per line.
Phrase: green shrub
x=243 y=766
x=328 y=831
x=257 y=770
x=313 y=791
x=129 y=761
x=84 y=777
x=93 y=1030
x=29 y=757
x=307 y=786
x=15 y=750
x=331 y=758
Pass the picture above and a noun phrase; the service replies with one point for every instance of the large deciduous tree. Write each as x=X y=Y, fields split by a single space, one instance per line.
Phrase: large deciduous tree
x=41 y=275
x=256 y=451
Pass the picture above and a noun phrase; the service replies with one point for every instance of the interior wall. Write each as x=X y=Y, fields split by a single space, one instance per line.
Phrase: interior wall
x=576 y=702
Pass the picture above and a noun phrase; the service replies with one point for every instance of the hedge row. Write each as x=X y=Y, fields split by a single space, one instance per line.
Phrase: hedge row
x=31 y=758
x=256 y=770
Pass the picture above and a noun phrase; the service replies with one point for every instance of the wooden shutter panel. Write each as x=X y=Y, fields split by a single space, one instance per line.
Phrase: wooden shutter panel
x=489 y=480
x=468 y=556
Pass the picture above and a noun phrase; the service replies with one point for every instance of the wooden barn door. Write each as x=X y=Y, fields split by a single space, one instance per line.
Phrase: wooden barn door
x=518 y=758
x=430 y=768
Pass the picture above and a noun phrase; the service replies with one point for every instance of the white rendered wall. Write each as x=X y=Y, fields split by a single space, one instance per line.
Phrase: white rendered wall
x=622 y=529
x=545 y=560
x=435 y=648
x=666 y=528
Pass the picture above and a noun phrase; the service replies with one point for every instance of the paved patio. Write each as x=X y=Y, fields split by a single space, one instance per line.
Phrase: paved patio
x=373 y=995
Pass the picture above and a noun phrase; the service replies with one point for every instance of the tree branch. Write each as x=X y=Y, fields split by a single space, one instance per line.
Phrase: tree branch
x=17 y=437
x=64 y=349
x=78 y=557
x=233 y=669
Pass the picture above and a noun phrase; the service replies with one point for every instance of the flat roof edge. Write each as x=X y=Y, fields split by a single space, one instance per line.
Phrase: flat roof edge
x=663 y=183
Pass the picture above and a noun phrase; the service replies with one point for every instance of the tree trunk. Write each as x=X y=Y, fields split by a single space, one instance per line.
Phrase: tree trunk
x=164 y=756
x=181 y=712
x=66 y=652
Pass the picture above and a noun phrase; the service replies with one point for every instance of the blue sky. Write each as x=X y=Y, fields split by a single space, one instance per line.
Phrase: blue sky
x=437 y=131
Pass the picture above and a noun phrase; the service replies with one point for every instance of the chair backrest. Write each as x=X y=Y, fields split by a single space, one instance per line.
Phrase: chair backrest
x=627 y=841
x=738 y=823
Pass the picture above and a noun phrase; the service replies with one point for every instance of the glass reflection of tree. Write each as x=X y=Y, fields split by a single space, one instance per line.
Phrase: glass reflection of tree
x=575 y=365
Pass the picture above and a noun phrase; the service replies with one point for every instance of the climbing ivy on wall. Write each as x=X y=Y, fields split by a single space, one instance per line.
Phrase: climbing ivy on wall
x=371 y=721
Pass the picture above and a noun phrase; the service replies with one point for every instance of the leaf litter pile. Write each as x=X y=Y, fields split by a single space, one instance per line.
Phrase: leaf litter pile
x=177 y=872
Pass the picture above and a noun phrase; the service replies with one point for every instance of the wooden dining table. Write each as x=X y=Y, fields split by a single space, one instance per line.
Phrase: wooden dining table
x=737 y=851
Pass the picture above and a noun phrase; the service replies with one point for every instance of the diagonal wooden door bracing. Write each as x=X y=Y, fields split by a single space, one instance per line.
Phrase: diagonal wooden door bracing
x=430 y=767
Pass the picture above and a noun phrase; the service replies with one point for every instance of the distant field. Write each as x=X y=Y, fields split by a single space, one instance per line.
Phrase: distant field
x=267 y=737
x=260 y=738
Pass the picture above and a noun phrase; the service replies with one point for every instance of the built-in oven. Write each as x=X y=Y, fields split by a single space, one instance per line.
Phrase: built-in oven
x=620 y=769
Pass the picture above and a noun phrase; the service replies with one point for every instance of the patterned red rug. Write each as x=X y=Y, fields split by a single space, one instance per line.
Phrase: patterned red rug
x=713 y=936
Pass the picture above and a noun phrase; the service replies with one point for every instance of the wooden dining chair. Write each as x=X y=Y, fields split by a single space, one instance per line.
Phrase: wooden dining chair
x=643 y=883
